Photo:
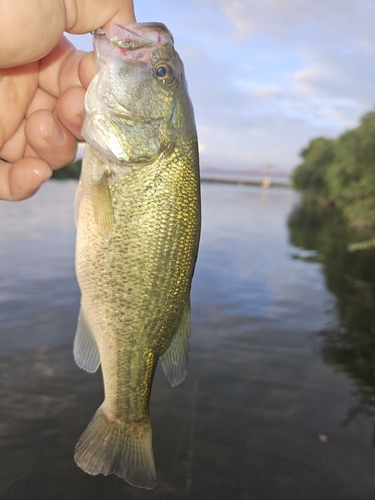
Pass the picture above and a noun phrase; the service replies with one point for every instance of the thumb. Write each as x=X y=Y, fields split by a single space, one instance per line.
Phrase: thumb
x=30 y=30
x=88 y=15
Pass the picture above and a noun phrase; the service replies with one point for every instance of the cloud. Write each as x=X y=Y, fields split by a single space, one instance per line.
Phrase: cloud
x=266 y=91
x=336 y=21
x=335 y=39
x=267 y=77
x=330 y=82
x=244 y=124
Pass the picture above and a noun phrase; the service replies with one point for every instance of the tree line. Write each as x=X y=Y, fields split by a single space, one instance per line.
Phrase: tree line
x=341 y=172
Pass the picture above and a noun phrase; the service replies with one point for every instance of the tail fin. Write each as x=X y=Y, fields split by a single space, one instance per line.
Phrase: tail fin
x=112 y=447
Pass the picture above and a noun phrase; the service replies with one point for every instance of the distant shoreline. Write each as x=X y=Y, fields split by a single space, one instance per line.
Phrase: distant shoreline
x=246 y=182
x=73 y=171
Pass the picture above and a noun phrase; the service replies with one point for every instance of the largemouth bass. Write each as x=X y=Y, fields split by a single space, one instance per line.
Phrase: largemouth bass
x=138 y=226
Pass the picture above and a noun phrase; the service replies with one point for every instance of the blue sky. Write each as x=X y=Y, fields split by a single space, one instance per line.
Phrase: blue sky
x=267 y=76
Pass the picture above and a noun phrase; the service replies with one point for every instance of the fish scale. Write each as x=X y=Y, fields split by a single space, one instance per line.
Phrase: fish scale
x=137 y=240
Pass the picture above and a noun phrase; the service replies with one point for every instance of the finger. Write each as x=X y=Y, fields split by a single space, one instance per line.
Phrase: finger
x=29 y=30
x=124 y=15
x=70 y=110
x=22 y=179
x=50 y=139
x=89 y=16
x=77 y=70
x=42 y=100
x=22 y=20
x=17 y=90
x=66 y=67
x=50 y=67
x=14 y=149
x=87 y=69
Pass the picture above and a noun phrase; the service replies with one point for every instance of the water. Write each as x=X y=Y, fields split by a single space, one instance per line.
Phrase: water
x=279 y=396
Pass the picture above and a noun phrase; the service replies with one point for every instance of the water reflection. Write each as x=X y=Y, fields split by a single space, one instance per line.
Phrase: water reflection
x=348 y=346
x=259 y=415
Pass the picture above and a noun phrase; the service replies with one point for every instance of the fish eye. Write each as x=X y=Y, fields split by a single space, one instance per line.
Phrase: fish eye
x=164 y=73
x=161 y=72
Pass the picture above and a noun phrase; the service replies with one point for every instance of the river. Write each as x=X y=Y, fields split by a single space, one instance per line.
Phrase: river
x=276 y=405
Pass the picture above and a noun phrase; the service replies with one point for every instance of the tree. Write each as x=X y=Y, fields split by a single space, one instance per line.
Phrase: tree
x=310 y=176
x=351 y=176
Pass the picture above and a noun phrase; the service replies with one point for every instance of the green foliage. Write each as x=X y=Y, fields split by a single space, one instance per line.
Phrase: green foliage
x=311 y=174
x=343 y=172
x=71 y=171
x=351 y=177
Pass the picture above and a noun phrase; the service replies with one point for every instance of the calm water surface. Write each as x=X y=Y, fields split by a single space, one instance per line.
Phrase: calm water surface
x=278 y=402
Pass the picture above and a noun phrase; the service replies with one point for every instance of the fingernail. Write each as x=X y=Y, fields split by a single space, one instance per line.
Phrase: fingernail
x=50 y=174
x=56 y=134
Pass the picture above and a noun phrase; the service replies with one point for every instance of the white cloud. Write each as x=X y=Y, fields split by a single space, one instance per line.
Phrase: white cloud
x=330 y=86
x=266 y=77
x=335 y=21
x=252 y=125
x=266 y=91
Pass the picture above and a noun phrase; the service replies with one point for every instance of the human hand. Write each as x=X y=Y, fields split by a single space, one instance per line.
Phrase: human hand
x=43 y=79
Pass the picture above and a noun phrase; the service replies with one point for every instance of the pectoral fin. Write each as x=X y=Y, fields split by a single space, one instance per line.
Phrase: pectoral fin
x=175 y=358
x=77 y=202
x=85 y=350
x=102 y=204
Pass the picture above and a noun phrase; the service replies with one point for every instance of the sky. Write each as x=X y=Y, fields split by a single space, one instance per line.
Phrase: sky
x=266 y=77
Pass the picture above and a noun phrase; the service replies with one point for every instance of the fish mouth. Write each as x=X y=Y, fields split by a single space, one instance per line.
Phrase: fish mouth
x=132 y=41
x=137 y=35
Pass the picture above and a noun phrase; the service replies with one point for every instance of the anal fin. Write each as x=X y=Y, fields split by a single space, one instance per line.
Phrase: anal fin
x=175 y=359
x=85 y=349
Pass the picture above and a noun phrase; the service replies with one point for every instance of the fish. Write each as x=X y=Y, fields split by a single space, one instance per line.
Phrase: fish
x=138 y=227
